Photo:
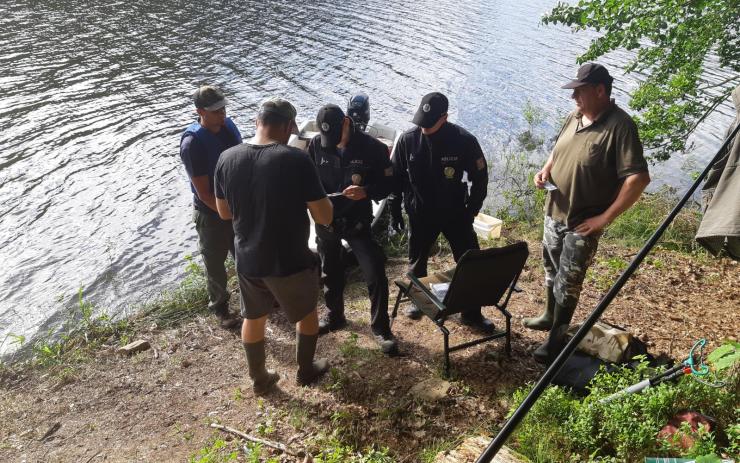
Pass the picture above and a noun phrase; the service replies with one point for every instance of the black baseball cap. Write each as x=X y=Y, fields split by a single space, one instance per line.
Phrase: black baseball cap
x=283 y=108
x=432 y=107
x=590 y=73
x=329 y=121
x=209 y=98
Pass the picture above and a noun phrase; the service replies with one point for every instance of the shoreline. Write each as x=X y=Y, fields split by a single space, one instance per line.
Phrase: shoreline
x=157 y=405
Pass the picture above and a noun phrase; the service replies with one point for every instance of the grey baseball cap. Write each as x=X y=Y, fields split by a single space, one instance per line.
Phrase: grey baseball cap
x=283 y=108
x=209 y=98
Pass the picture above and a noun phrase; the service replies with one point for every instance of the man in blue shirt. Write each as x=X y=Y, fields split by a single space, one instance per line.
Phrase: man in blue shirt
x=201 y=145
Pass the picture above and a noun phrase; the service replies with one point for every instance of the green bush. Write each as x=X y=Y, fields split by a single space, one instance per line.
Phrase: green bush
x=562 y=428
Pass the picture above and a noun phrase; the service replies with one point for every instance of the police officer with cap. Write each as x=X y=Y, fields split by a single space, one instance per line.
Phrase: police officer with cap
x=354 y=169
x=429 y=163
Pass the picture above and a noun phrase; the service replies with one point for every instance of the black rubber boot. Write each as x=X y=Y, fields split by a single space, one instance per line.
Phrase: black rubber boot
x=309 y=370
x=474 y=319
x=329 y=324
x=262 y=379
x=547 y=352
x=544 y=321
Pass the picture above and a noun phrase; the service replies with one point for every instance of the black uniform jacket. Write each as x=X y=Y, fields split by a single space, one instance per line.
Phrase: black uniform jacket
x=429 y=173
x=364 y=162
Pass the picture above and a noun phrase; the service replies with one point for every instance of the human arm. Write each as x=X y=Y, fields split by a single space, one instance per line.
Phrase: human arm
x=381 y=176
x=193 y=158
x=477 y=169
x=396 y=196
x=203 y=190
x=224 y=211
x=629 y=192
x=321 y=211
x=543 y=176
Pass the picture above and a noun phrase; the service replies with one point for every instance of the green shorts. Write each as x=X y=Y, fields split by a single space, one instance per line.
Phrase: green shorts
x=295 y=294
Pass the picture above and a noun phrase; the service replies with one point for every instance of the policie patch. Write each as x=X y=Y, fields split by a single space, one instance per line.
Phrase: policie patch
x=449 y=172
x=356 y=179
x=388 y=172
x=480 y=163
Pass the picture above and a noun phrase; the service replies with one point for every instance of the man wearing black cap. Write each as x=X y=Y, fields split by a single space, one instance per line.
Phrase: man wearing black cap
x=595 y=172
x=266 y=187
x=429 y=163
x=201 y=144
x=354 y=168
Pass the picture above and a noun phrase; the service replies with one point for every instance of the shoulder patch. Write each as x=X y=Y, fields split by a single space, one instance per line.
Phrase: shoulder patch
x=480 y=163
x=388 y=172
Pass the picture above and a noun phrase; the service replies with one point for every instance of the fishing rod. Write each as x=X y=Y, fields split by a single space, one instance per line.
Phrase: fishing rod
x=495 y=445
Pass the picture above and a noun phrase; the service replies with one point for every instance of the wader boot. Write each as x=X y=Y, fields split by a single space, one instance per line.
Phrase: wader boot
x=262 y=379
x=547 y=352
x=308 y=369
x=544 y=321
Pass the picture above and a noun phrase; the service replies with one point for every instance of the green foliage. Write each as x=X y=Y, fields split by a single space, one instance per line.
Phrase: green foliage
x=673 y=42
x=637 y=224
x=189 y=299
x=562 y=428
x=335 y=451
x=217 y=452
x=725 y=356
x=81 y=333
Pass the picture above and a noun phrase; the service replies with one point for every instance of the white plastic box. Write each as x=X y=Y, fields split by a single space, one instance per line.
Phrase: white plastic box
x=487 y=227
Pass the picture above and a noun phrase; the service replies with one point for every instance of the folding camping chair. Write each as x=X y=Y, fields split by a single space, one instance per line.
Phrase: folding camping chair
x=481 y=278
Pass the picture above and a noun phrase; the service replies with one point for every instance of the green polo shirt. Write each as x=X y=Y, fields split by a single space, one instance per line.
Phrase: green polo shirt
x=590 y=163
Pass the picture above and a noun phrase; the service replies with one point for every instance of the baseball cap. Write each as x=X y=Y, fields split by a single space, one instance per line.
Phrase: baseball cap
x=282 y=108
x=432 y=107
x=329 y=120
x=590 y=73
x=209 y=98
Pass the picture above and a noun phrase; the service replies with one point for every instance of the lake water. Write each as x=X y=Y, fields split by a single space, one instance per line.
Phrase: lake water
x=95 y=95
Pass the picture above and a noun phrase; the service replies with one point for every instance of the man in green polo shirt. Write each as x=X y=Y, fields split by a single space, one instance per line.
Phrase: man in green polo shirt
x=595 y=172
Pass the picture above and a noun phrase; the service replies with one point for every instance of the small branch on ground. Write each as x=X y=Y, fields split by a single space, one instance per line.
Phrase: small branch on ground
x=275 y=445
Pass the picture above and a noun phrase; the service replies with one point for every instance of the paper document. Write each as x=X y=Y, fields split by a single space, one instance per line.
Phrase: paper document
x=334 y=195
x=550 y=187
x=440 y=289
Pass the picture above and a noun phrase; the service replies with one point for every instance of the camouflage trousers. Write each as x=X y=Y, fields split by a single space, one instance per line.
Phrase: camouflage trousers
x=567 y=255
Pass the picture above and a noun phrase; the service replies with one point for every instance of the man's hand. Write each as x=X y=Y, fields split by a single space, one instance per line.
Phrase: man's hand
x=355 y=193
x=541 y=177
x=592 y=225
x=397 y=221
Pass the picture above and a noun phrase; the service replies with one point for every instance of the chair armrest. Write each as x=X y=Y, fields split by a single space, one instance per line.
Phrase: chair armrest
x=422 y=287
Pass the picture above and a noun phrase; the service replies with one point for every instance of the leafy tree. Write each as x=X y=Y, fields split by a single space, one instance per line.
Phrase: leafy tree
x=676 y=40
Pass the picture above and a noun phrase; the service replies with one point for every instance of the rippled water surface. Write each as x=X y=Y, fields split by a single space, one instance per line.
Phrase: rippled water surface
x=94 y=96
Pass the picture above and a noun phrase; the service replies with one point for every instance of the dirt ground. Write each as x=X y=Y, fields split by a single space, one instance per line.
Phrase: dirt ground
x=157 y=405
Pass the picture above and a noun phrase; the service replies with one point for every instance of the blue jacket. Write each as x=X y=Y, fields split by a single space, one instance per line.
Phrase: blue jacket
x=213 y=145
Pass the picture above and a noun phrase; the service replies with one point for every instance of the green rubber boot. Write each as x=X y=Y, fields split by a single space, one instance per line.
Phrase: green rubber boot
x=262 y=379
x=544 y=321
x=547 y=352
x=309 y=370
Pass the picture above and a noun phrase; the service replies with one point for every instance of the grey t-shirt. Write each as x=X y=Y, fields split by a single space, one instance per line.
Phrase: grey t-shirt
x=267 y=188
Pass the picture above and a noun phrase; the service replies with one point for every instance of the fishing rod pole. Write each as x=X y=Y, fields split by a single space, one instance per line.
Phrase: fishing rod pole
x=569 y=348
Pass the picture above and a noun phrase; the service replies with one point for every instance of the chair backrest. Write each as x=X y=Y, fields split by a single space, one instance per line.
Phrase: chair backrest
x=482 y=277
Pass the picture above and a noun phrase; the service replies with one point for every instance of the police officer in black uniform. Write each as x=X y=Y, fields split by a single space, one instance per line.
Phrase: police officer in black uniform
x=429 y=163
x=354 y=168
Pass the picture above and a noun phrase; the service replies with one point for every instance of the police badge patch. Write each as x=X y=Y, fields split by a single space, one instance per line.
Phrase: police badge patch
x=449 y=172
x=356 y=179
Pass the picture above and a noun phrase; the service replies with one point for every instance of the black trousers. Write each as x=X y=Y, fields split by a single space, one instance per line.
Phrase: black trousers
x=370 y=257
x=423 y=233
